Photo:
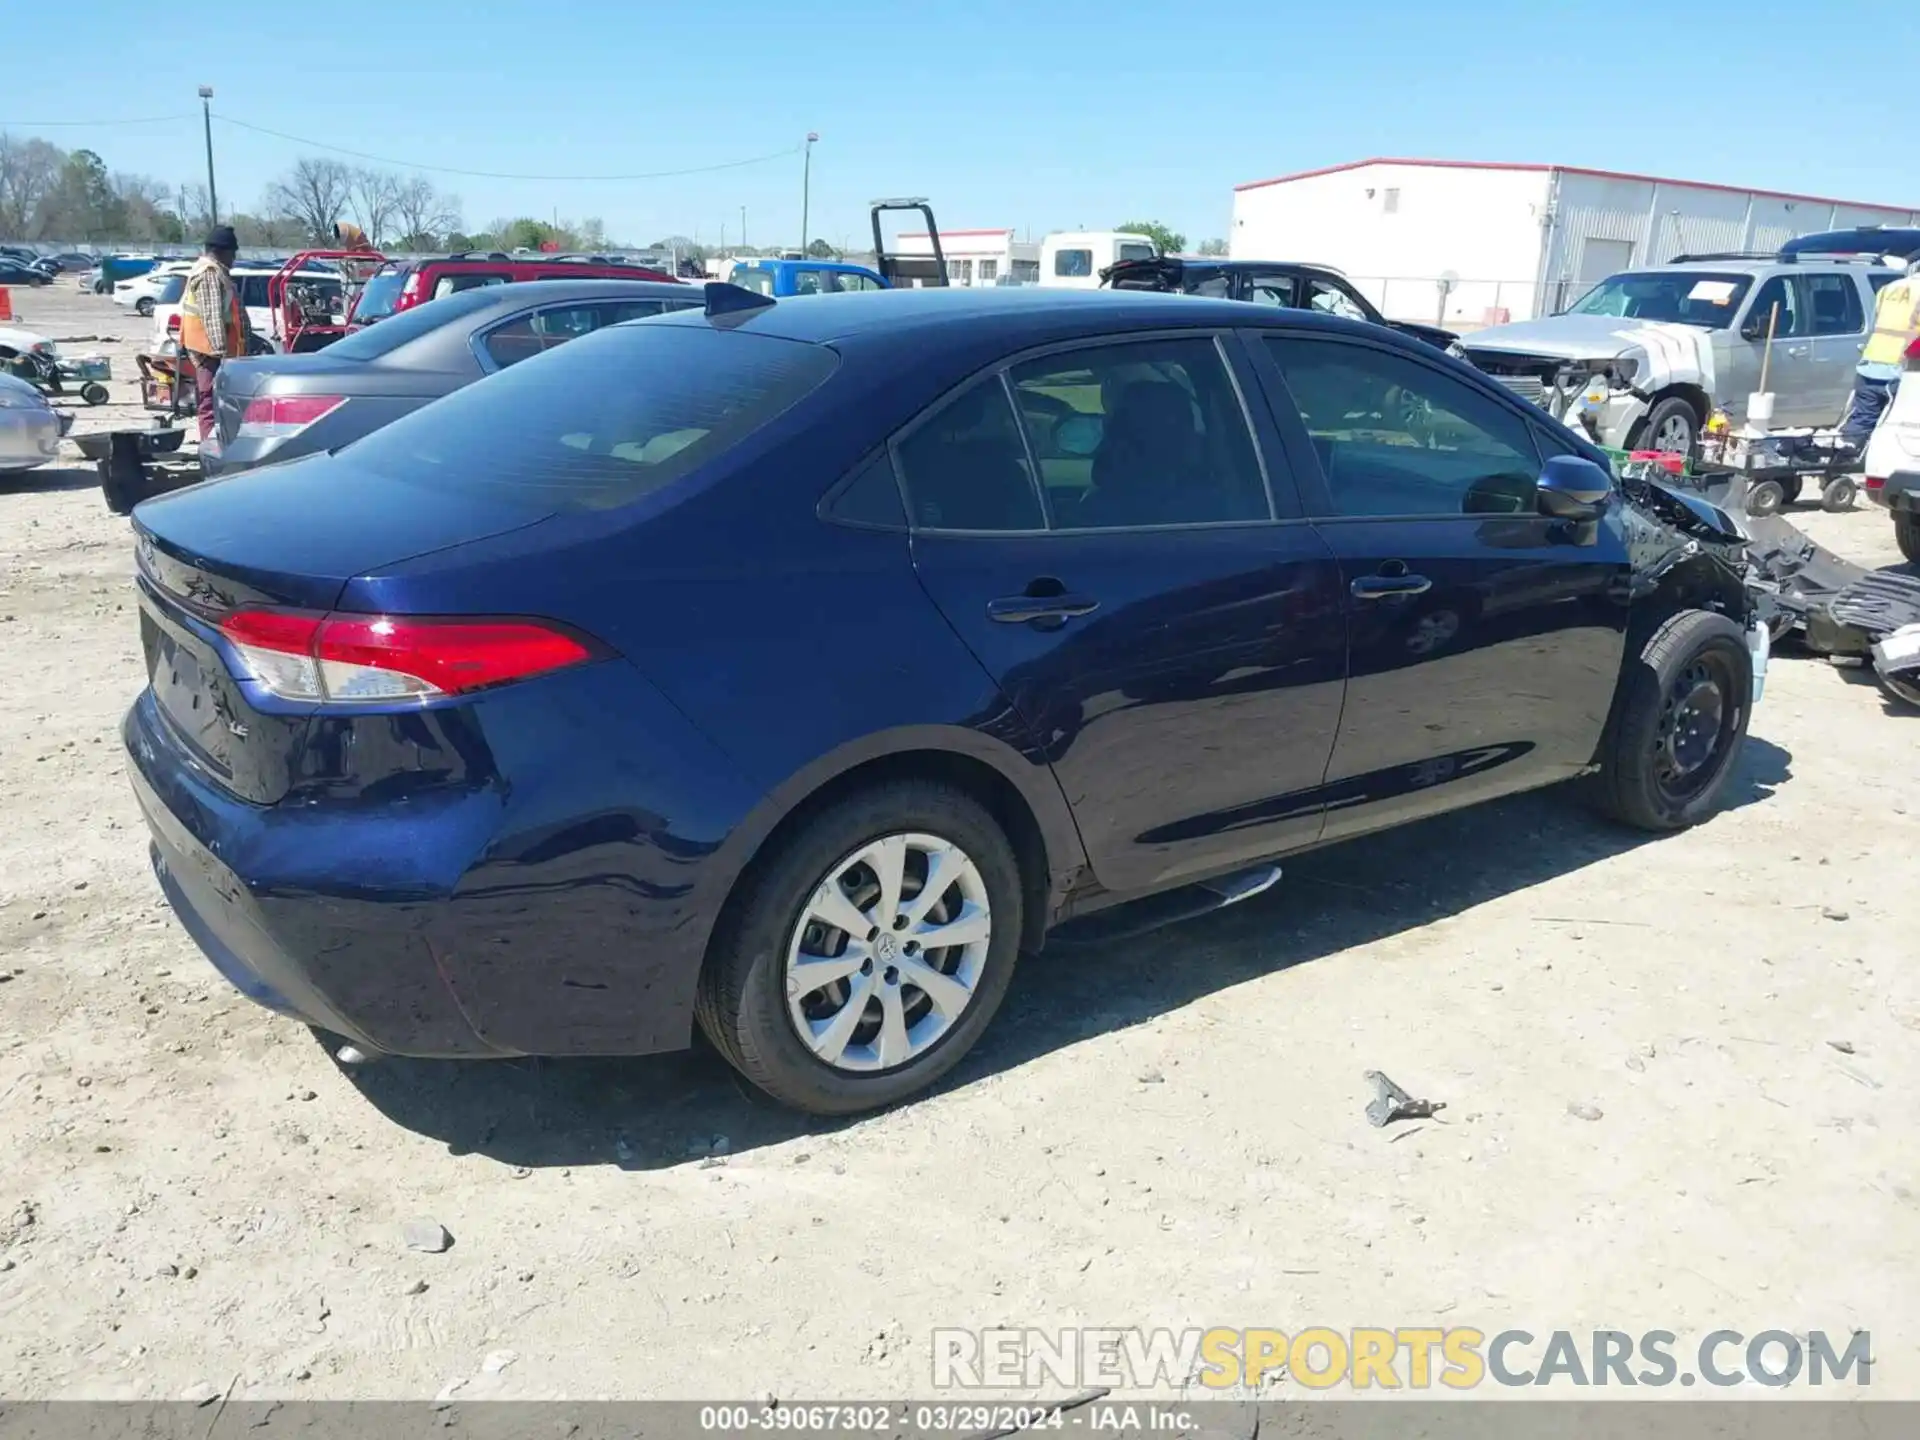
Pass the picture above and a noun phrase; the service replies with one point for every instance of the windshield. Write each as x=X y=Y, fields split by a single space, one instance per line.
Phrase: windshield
x=1676 y=297
x=377 y=299
x=599 y=422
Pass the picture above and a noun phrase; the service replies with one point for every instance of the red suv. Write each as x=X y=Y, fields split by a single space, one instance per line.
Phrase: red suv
x=401 y=284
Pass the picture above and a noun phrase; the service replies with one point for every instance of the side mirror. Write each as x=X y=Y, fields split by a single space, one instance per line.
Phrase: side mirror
x=1573 y=488
x=1755 y=329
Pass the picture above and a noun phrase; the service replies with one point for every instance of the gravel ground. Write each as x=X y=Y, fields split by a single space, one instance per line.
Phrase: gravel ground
x=1677 y=1077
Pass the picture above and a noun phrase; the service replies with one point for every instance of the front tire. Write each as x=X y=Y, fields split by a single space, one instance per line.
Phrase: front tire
x=1678 y=724
x=1906 y=534
x=143 y=307
x=1672 y=428
x=826 y=986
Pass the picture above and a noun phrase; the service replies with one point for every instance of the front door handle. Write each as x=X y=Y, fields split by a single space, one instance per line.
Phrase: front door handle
x=1381 y=587
x=1799 y=350
x=1026 y=609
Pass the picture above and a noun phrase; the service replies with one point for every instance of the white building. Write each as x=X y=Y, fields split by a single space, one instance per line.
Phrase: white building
x=979 y=257
x=1468 y=244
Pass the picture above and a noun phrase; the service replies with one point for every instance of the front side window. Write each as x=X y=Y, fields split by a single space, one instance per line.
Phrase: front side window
x=852 y=280
x=1330 y=299
x=1277 y=290
x=810 y=282
x=1150 y=433
x=758 y=281
x=1782 y=306
x=1395 y=437
x=1073 y=264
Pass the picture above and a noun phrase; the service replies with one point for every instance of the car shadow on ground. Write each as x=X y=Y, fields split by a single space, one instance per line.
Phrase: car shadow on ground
x=50 y=479
x=669 y=1110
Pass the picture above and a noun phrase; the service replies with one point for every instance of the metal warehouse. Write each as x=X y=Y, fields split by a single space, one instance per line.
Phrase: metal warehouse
x=1469 y=244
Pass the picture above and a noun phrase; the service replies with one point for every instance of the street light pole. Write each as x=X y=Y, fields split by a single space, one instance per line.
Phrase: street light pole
x=743 y=227
x=806 y=188
x=206 y=122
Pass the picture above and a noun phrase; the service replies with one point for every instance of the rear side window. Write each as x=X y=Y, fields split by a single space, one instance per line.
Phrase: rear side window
x=455 y=284
x=603 y=421
x=758 y=281
x=171 y=292
x=1833 y=304
x=965 y=466
x=1075 y=263
x=525 y=336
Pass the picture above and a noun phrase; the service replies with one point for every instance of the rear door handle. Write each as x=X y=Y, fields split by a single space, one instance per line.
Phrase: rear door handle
x=1380 y=587
x=1797 y=350
x=1023 y=609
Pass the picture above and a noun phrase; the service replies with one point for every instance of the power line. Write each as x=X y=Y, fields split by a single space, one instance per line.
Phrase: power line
x=501 y=174
x=89 y=124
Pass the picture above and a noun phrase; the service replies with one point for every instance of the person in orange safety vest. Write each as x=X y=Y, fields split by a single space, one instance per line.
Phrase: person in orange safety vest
x=213 y=322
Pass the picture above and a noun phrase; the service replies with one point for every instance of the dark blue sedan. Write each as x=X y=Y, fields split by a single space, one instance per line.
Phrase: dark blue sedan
x=791 y=668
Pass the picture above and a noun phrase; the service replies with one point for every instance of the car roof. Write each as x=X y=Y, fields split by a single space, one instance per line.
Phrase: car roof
x=1011 y=315
x=1760 y=265
x=525 y=294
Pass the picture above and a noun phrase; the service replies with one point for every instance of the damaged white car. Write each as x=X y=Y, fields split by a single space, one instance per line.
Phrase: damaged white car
x=1641 y=360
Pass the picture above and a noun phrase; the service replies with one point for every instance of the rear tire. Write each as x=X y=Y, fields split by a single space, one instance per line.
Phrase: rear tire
x=143 y=307
x=1678 y=724
x=749 y=1004
x=1906 y=534
x=1838 y=495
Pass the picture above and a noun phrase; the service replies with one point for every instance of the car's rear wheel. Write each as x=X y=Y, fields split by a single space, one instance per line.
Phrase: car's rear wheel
x=868 y=952
x=1678 y=723
x=1906 y=534
x=143 y=307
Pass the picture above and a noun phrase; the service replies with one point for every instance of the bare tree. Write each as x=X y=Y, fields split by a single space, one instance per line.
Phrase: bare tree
x=425 y=216
x=374 y=196
x=314 y=193
x=29 y=172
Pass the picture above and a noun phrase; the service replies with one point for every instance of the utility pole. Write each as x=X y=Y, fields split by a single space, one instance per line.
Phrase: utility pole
x=743 y=227
x=206 y=122
x=806 y=188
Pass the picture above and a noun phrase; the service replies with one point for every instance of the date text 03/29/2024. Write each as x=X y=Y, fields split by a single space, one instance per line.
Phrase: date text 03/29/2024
x=955 y=1419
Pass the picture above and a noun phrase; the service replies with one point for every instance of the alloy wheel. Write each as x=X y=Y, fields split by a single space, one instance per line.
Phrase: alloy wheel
x=887 y=952
x=1674 y=437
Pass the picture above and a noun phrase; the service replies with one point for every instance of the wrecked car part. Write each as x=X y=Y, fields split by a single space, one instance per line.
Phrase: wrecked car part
x=1391 y=1103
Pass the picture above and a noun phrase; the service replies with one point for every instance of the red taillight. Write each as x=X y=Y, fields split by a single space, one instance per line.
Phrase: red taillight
x=363 y=659
x=1876 y=482
x=268 y=415
x=173 y=322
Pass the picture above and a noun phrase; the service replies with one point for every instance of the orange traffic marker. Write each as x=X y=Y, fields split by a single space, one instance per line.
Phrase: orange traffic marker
x=6 y=303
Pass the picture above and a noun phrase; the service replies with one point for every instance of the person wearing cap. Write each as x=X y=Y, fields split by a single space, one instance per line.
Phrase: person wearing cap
x=1896 y=326
x=213 y=322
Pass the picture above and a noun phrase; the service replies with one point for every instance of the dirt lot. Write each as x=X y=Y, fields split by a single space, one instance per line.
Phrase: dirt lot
x=1169 y=1133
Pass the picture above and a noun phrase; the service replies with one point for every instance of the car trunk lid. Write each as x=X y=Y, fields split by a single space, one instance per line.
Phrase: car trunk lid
x=207 y=552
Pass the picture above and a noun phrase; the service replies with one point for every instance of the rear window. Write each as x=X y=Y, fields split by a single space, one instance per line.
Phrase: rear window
x=171 y=292
x=1135 y=250
x=378 y=297
x=603 y=421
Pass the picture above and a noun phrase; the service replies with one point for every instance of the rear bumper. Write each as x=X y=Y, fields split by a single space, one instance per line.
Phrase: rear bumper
x=1900 y=493
x=240 y=454
x=346 y=964
x=29 y=436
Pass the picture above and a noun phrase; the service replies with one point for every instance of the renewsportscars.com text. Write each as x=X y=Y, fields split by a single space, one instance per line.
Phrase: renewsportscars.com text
x=1405 y=1357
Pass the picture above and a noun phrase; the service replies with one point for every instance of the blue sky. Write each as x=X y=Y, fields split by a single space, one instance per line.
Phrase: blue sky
x=1038 y=115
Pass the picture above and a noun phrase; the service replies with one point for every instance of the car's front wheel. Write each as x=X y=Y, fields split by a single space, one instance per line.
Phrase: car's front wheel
x=1678 y=724
x=869 y=951
x=1671 y=427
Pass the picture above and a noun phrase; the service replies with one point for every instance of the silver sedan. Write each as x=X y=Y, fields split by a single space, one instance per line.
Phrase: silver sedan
x=30 y=428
